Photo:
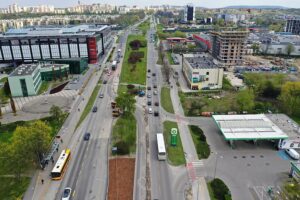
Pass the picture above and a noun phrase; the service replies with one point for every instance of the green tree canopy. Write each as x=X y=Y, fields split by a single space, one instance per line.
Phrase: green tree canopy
x=245 y=100
x=56 y=112
x=126 y=102
x=290 y=48
x=290 y=97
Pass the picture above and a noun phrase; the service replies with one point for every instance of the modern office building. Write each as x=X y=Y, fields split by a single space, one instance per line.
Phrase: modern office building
x=201 y=71
x=293 y=26
x=189 y=13
x=32 y=44
x=229 y=46
x=26 y=79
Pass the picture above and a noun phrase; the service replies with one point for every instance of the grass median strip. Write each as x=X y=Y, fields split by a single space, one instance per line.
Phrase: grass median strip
x=200 y=143
x=89 y=105
x=175 y=153
x=166 y=101
x=124 y=134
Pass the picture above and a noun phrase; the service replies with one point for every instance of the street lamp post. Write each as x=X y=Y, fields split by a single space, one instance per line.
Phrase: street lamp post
x=216 y=165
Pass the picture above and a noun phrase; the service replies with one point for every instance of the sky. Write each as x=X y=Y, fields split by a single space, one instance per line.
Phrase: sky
x=203 y=3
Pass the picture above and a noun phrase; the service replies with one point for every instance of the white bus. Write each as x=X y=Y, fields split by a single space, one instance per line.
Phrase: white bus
x=162 y=155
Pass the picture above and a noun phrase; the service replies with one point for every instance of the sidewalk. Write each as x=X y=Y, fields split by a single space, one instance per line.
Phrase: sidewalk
x=200 y=190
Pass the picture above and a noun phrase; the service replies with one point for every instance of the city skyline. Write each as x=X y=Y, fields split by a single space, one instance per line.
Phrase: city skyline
x=203 y=3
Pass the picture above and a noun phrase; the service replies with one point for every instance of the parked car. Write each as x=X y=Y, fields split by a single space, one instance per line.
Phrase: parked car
x=95 y=109
x=149 y=70
x=148 y=88
x=149 y=95
x=149 y=103
x=154 y=86
x=156 y=104
x=150 y=110
x=86 y=136
x=293 y=154
x=101 y=95
x=156 y=113
x=105 y=81
x=67 y=194
x=153 y=74
x=155 y=92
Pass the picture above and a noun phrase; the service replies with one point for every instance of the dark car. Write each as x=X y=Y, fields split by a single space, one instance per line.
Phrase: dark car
x=155 y=86
x=153 y=74
x=149 y=103
x=95 y=109
x=156 y=104
x=156 y=113
x=149 y=70
x=148 y=88
x=105 y=81
x=87 y=136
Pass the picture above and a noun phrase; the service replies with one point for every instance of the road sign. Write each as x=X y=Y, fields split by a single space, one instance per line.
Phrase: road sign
x=174 y=131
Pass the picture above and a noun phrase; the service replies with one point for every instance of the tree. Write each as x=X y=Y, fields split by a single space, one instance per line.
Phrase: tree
x=289 y=49
x=255 y=48
x=56 y=112
x=126 y=102
x=290 y=97
x=269 y=90
x=245 y=100
x=7 y=88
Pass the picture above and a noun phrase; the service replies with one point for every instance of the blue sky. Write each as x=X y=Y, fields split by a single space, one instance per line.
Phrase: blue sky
x=204 y=3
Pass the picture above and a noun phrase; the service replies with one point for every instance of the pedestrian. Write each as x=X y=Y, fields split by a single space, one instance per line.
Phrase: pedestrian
x=61 y=140
x=56 y=149
x=52 y=161
x=42 y=181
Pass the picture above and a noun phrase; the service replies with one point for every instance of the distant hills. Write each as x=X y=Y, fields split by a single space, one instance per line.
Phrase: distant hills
x=255 y=7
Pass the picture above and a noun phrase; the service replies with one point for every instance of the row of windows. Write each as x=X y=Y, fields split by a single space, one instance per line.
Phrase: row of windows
x=44 y=41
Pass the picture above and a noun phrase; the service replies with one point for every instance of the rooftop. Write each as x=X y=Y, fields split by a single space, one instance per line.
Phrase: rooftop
x=248 y=127
x=201 y=61
x=24 y=70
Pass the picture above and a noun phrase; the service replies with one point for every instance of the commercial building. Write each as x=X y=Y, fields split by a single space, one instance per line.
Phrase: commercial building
x=248 y=127
x=32 y=44
x=26 y=79
x=189 y=13
x=201 y=71
x=293 y=26
x=229 y=46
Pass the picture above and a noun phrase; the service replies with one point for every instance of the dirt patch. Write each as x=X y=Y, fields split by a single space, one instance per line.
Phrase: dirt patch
x=121 y=179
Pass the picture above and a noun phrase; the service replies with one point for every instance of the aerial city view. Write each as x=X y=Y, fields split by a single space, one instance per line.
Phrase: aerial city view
x=150 y=100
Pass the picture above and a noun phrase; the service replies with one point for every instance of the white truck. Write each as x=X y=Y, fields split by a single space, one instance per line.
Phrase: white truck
x=114 y=65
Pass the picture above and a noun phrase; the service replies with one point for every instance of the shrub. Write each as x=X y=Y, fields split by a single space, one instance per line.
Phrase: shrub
x=135 y=57
x=130 y=86
x=219 y=188
x=123 y=148
x=198 y=130
x=135 y=44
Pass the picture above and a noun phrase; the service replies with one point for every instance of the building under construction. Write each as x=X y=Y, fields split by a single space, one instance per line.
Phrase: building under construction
x=229 y=46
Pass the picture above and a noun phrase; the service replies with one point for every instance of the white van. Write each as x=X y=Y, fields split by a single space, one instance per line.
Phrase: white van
x=293 y=154
x=150 y=110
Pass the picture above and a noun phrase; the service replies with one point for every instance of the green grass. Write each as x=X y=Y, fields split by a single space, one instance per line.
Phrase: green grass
x=138 y=75
x=144 y=27
x=171 y=61
x=175 y=153
x=166 y=101
x=44 y=87
x=3 y=80
x=89 y=104
x=200 y=143
x=125 y=130
x=296 y=119
x=10 y=189
x=226 y=84
x=6 y=130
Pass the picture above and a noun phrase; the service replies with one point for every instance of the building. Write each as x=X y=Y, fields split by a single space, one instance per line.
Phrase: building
x=277 y=44
x=293 y=26
x=32 y=44
x=26 y=79
x=229 y=46
x=201 y=71
x=203 y=40
x=189 y=13
x=295 y=171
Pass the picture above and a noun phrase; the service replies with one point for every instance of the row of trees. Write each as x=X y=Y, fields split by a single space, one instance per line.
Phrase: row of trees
x=163 y=58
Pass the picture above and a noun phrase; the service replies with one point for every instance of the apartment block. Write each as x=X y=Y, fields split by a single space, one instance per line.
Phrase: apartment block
x=229 y=47
x=293 y=26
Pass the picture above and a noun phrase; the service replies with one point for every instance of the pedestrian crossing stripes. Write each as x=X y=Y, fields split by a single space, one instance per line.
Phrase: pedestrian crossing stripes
x=194 y=169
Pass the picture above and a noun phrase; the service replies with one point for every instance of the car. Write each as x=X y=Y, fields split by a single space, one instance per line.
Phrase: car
x=293 y=154
x=148 y=76
x=148 y=88
x=105 y=81
x=149 y=95
x=101 y=95
x=153 y=74
x=149 y=103
x=87 y=136
x=67 y=194
x=149 y=70
x=155 y=92
x=95 y=109
x=154 y=86
x=156 y=113
x=156 y=104
x=150 y=110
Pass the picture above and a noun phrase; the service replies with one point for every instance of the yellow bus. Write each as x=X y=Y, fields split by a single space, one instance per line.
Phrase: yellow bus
x=61 y=165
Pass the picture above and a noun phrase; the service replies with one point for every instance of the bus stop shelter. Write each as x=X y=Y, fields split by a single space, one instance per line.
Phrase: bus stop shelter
x=248 y=127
